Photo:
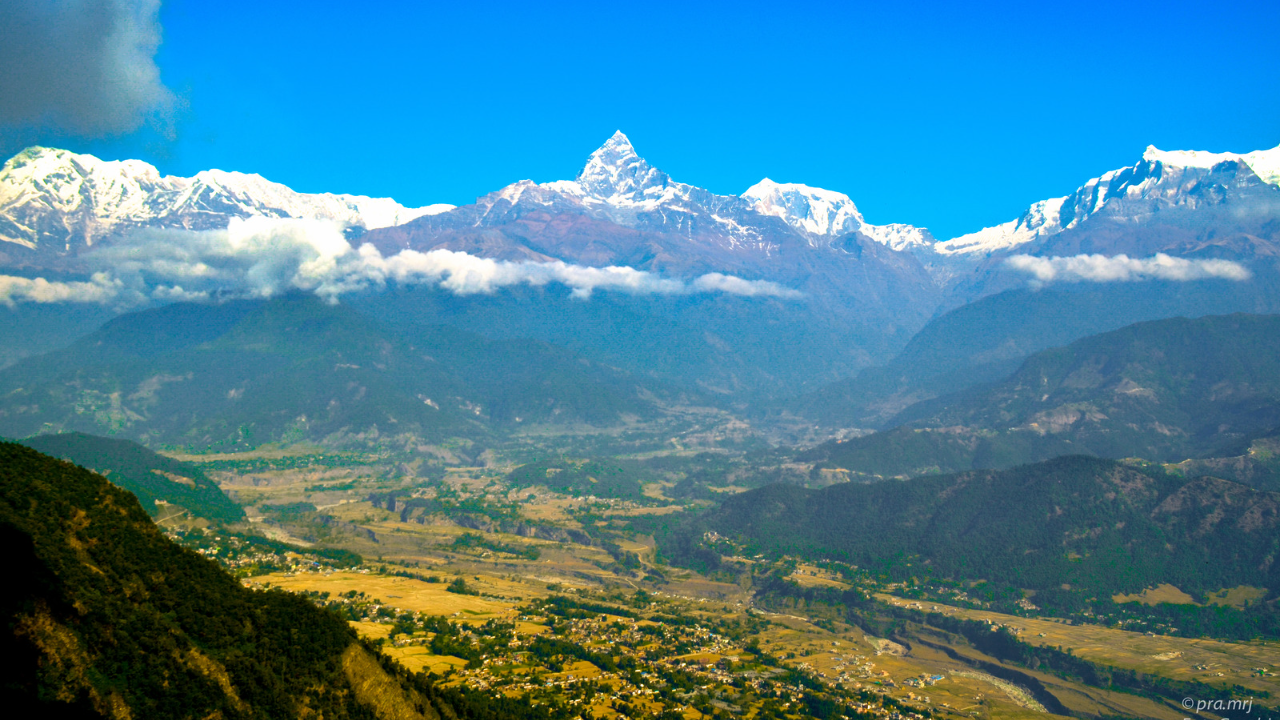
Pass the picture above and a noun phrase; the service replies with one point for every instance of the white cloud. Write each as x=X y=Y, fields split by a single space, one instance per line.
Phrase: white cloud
x=100 y=289
x=1122 y=268
x=262 y=257
x=715 y=282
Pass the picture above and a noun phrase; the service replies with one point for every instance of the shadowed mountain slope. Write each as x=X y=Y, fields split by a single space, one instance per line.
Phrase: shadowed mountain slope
x=1163 y=390
x=244 y=373
x=157 y=481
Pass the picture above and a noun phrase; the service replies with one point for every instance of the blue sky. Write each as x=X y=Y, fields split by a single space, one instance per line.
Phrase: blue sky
x=953 y=116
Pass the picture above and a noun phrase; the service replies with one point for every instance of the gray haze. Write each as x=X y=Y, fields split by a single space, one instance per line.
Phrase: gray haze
x=85 y=67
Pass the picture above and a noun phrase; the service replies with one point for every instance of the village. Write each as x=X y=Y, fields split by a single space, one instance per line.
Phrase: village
x=616 y=655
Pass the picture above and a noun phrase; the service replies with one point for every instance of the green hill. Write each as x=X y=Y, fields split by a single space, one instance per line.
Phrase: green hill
x=1091 y=524
x=155 y=479
x=241 y=374
x=105 y=617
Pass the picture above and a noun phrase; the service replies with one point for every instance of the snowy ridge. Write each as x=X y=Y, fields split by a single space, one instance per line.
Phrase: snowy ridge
x=828 y=213
x=1042 y=218
x=812 y=210
x=1264 y=163
x=1158 y=178
x=50 y=196
x=620 y=183
x=899 y=236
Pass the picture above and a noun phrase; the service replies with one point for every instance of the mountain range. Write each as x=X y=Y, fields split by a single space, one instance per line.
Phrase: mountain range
x=844 y=295
x=54 y=202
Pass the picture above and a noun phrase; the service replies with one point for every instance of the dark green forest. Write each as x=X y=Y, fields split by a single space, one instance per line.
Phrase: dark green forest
x=148 y=475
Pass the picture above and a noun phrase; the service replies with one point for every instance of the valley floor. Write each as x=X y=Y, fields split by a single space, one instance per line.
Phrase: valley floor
x=545 y=595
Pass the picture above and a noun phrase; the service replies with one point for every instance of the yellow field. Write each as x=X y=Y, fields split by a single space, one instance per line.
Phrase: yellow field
x=811 y=576
x=1238 y=596
x=404 y=593
x=264 y=452
x=418 y=659
x=1165 y=593
x=1210 y=661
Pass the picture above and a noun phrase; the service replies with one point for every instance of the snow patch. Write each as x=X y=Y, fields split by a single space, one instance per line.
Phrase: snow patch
x=1264 y=163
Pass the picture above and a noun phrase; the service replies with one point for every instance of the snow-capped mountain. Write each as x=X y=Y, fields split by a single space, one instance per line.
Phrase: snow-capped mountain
x=826 y=213
x=1160 y=181
x=620 y=210
x=618 y=187
x=56 y=201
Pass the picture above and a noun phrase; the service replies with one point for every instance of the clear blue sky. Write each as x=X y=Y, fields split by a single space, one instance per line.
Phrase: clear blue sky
x=948 y=115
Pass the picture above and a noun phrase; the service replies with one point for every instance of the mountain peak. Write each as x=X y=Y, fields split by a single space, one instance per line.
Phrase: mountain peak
x=38 y=162
x=618 y=140
x=616 y=170
x=813 y=210
x=56 y=199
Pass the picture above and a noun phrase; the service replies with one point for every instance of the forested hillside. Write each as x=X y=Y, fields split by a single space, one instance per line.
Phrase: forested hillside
x=156 y=480
x=987 y=339
x=240 y=374
x=1165 y=390
x=105 y=617
x=1094 y=525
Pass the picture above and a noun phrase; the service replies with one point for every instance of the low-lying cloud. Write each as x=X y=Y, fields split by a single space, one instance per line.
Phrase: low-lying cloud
x=262 y=257
x=1122 y=268
x=101 y=289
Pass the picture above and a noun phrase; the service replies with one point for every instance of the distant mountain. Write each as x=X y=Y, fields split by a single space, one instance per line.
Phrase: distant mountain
x=244 y=373
x=1184 y=204
x=622 y=211
x=1146 y=193
x=853 y=293
x=987 y=339
x=55 y=202
x=1164 y=390
x=104 y=617
x=1090 y=524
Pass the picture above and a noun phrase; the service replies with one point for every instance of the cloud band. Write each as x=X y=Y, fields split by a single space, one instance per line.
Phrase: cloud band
x=262 y=257
x=1122 y=268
